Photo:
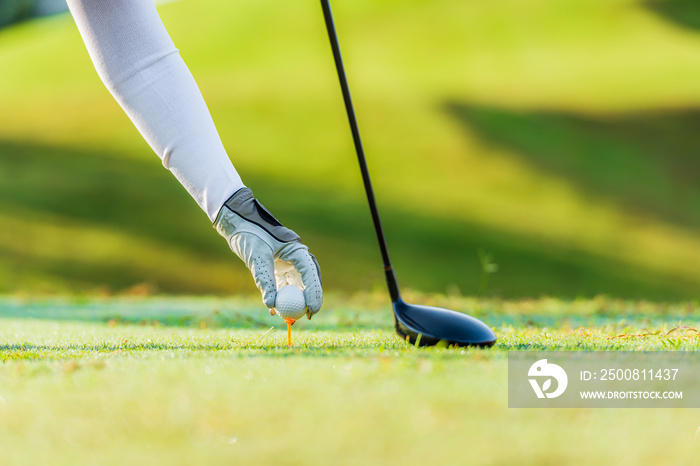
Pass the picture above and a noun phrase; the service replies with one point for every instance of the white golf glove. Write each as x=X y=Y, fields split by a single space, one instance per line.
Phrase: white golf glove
x=258 y=238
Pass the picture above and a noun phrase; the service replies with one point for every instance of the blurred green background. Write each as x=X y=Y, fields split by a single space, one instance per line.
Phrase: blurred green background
x=518 y=148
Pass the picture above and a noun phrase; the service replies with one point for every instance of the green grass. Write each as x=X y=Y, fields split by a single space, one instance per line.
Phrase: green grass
x=558 y=138
x=683 y=12
x=209 y=380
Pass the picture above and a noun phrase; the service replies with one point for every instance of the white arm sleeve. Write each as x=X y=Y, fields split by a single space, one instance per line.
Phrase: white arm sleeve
x=138 y=62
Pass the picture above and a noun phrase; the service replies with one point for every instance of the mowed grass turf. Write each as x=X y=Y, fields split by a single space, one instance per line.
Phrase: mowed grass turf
x=211 y=381
x=560 y=138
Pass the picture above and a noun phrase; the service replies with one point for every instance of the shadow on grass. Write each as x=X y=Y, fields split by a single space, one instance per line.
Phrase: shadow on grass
x=431 y=253
x=199 y=313
x=647 y=162
x=684 y=13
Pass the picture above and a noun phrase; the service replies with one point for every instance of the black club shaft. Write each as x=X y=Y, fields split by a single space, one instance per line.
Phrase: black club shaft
x=388 y=269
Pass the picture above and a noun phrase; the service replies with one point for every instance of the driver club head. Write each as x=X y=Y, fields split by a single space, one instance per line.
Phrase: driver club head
x=430 y=325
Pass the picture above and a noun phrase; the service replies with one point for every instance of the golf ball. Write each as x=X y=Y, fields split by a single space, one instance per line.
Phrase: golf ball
x=290 y=303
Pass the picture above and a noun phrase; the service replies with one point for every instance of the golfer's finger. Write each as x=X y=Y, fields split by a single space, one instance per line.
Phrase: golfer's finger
x=263 y=271
x=259 y=259
x=310 y=272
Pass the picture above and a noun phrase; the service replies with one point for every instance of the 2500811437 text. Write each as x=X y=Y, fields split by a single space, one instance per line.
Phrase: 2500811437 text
x=632 y=374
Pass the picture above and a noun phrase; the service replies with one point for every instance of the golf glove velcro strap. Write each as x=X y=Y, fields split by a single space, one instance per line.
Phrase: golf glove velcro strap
x=258 y=238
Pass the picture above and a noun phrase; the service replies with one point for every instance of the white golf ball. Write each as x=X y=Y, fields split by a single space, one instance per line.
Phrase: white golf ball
x=290 y=303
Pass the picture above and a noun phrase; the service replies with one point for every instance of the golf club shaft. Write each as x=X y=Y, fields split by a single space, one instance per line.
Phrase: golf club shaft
x=388 y=268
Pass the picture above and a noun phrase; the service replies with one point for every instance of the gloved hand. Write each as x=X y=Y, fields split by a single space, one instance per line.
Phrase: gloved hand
x=258 y=238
